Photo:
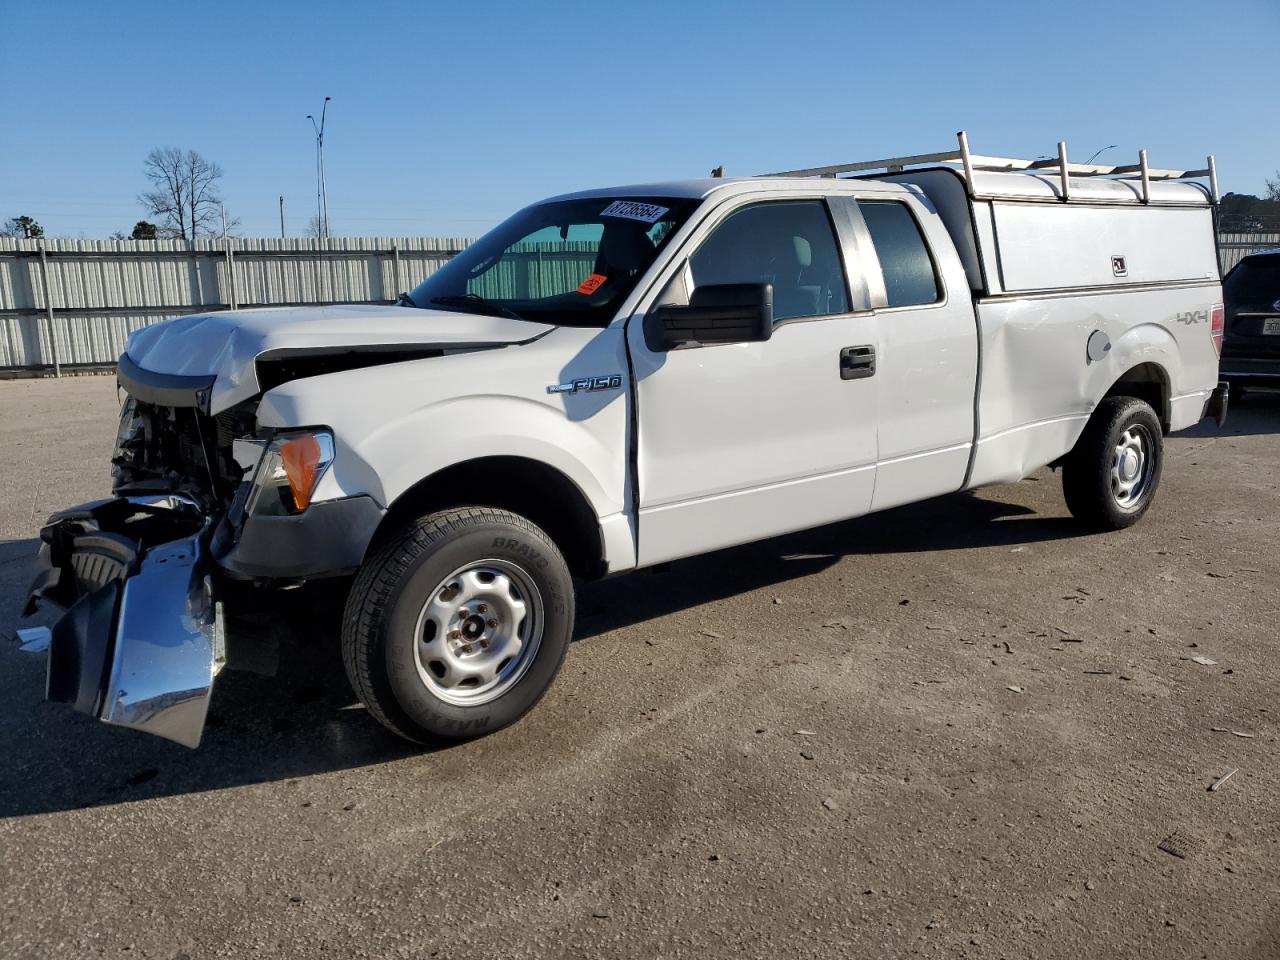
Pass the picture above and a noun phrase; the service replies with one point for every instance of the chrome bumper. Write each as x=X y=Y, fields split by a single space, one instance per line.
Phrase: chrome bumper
x=141 y=649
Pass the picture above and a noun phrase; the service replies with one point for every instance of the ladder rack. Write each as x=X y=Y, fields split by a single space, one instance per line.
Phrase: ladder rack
x=975 y=162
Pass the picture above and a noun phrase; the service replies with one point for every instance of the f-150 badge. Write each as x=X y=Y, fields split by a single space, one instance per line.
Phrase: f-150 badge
x=587 y=384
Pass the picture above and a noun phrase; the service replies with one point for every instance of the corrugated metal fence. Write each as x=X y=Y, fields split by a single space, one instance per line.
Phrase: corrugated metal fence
x=98 y=291
x=1234 y=247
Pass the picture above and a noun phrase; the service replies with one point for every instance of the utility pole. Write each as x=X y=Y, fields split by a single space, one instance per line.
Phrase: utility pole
x=322 y=191
x=282 y=216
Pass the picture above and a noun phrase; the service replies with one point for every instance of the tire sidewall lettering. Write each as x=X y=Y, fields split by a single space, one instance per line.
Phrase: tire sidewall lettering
x=521 y=549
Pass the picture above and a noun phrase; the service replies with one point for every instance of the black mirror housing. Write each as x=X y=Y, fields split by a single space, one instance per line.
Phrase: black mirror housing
x=718 y=313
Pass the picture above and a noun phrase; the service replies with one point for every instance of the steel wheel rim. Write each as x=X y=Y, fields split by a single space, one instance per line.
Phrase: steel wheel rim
x=1133 y=464
x=478 y=632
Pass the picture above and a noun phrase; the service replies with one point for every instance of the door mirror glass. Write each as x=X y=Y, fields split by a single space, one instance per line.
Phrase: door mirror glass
x=717 y=313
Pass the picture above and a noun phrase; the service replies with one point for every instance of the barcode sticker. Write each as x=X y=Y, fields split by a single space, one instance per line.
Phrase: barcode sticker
x=631 y=210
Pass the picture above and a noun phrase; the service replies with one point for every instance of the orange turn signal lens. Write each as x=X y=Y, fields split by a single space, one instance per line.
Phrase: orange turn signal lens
x=302 y=459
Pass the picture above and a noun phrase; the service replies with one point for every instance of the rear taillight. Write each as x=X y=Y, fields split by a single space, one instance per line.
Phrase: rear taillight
x=1216 y=324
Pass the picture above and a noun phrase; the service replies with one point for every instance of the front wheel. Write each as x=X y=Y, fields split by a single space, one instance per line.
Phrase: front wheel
x=1110 y=477
x=456 y=627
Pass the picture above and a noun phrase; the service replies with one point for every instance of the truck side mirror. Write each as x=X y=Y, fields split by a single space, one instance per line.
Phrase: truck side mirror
x=718 y=313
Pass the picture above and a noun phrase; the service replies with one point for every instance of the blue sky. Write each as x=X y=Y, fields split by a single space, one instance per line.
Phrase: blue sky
x=447 y=116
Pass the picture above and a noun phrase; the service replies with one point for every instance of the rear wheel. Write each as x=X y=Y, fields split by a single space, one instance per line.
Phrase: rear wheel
x=1111 y=476
x=456 y=627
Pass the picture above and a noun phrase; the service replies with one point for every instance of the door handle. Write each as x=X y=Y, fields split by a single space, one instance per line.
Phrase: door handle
x=856 y=363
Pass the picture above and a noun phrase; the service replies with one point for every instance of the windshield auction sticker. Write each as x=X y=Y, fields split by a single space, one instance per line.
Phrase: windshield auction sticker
x=592 y=283
x=630 y=210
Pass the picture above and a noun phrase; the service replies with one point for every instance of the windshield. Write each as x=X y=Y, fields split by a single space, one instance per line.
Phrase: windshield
x=568 y=262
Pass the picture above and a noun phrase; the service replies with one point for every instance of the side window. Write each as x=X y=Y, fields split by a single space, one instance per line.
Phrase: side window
x=909 y=279
x=789 y=244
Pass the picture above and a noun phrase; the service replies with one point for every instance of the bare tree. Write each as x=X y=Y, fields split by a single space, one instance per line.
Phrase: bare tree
x=1273 y=188
x=315 y=229
x=186 y=198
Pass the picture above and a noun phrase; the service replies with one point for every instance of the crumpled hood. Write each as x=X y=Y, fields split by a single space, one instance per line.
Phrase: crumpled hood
x=225 y=345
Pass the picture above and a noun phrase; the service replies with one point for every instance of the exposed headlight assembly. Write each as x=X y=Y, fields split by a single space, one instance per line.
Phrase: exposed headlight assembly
x=128 y=439
x=288 y=472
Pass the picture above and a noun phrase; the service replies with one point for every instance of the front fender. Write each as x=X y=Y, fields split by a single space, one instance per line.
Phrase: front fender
x=513 y=427
x=395 y=425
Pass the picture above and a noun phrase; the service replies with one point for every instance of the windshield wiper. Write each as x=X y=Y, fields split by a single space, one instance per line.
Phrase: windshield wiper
x=473 y=299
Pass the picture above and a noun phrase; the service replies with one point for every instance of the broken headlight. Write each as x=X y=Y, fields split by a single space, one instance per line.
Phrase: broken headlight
x=129 y=440
x=288 y=472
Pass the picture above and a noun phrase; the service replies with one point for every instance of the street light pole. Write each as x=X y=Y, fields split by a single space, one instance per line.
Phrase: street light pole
x=322 y=192
x=282 y=216
x=1101 y=152
x=319 y=209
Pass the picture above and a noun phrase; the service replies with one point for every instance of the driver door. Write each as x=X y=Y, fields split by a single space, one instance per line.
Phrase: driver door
x=738 y=442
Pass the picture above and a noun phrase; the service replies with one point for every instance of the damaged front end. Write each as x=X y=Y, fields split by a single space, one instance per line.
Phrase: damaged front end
x=141 y=640
x=206 y=506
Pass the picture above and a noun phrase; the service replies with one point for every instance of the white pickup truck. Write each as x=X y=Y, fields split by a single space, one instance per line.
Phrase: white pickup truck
x=615 y=379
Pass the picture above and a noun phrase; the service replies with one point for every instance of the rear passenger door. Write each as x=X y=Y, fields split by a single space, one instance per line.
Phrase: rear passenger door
x=927 y=347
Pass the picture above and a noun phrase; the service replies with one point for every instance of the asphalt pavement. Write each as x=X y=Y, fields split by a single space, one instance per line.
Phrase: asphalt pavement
x=963 y=728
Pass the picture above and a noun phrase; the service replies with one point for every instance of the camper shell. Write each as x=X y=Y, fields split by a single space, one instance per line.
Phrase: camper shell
x=1024 y=226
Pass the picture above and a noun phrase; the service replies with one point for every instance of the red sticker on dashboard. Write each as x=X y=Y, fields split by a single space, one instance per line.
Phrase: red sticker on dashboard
x=592 y=283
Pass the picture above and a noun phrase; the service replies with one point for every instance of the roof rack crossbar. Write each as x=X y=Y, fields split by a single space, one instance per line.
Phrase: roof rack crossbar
x=974 y=162
x=886 y=164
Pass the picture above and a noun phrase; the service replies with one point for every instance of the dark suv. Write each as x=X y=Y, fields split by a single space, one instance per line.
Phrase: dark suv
x=1251 y=345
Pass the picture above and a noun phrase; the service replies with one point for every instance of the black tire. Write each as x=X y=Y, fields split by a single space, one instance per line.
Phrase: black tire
x=1089 y=473
x=380 y=631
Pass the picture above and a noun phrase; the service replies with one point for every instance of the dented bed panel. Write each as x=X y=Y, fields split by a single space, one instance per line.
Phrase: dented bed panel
x=1039 y=383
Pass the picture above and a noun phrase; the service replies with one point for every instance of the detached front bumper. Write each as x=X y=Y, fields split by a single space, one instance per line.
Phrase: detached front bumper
x=141 y=640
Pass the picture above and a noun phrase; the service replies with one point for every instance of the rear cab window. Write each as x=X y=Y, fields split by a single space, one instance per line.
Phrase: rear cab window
x=910 y=278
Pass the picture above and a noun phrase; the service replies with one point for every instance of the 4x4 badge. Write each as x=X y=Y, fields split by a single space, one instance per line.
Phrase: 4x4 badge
x=587 y=384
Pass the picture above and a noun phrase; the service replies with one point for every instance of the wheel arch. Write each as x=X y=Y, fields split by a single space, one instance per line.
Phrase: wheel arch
x=531 y=488
x=1147 y=381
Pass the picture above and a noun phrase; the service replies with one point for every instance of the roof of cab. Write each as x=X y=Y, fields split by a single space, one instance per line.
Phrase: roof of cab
x=704 y=187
